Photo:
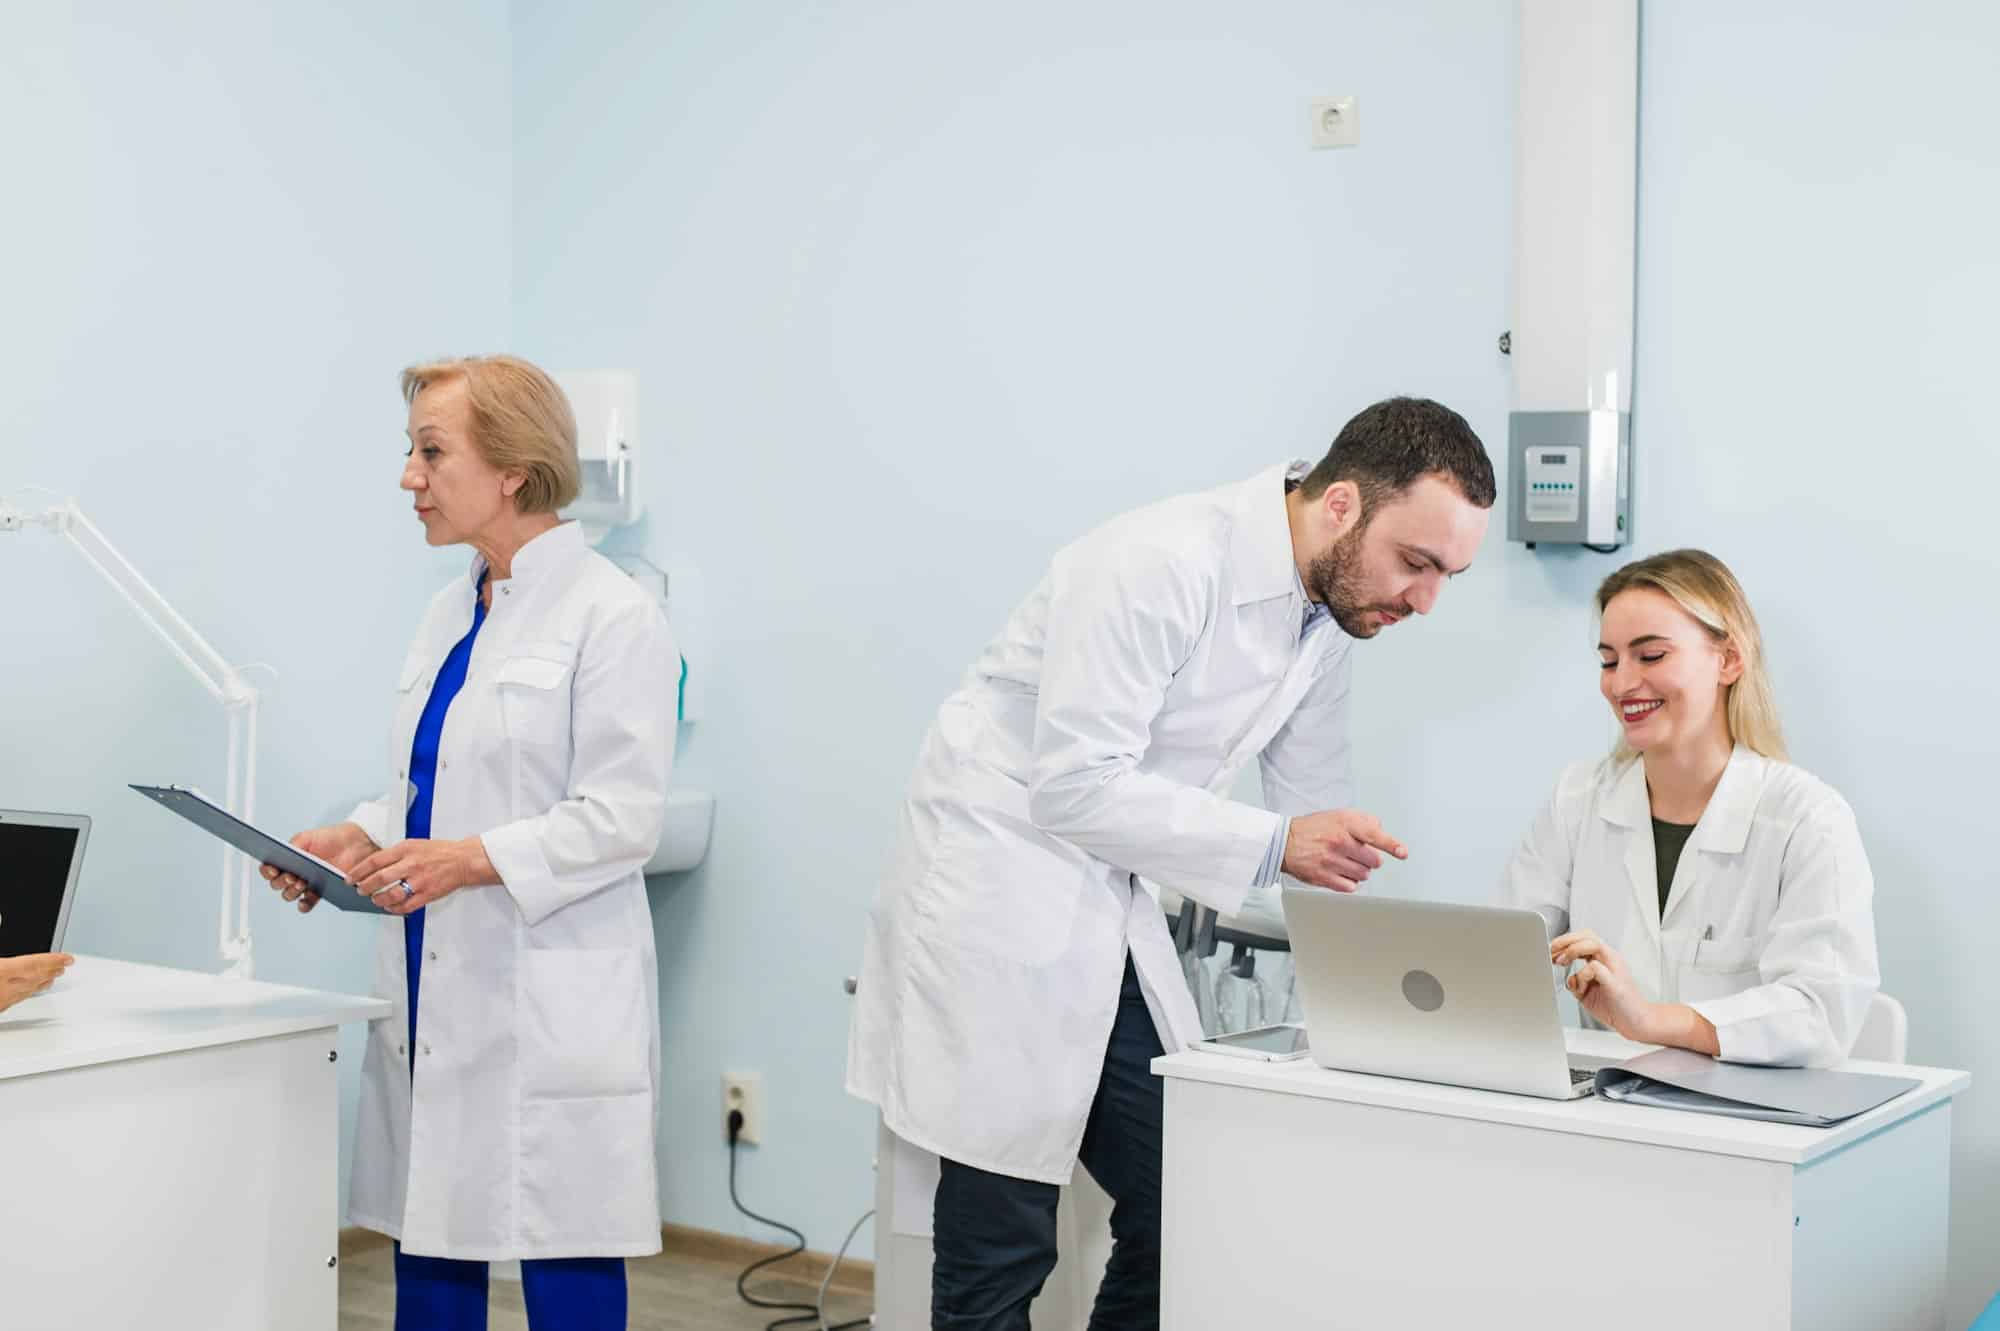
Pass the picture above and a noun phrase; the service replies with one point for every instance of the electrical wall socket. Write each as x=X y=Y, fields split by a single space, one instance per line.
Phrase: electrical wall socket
x=744 y=1091
x=1336 y=122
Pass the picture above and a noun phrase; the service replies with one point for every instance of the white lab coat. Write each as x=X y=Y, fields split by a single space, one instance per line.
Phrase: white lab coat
x=1093 y=741
x=1769 y=929
x=531 y=1133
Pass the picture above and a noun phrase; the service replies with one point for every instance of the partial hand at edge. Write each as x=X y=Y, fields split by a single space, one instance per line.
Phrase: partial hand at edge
x=22 y=977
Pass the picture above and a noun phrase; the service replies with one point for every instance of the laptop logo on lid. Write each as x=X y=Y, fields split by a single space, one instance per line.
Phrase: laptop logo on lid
x=1423 y=991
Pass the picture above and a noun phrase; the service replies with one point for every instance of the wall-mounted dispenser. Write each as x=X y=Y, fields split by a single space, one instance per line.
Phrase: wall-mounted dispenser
x=606 y=405
x=1569 y=437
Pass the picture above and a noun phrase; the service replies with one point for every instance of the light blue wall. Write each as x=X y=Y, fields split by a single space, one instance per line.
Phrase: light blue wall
x=227 y=226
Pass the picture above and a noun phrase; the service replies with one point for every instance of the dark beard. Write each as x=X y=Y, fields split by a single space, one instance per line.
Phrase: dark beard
x=1334 y=580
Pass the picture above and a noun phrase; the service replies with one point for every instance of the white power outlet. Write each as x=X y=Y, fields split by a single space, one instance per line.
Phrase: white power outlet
x=1336 y=122
x=744 y=1091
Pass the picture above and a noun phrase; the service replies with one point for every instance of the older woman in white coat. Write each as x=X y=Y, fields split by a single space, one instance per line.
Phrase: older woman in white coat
x=507 y=1110
x=1711 y=895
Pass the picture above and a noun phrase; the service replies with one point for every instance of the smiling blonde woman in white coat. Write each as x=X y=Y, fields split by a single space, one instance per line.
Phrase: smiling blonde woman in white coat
x=1755 y=942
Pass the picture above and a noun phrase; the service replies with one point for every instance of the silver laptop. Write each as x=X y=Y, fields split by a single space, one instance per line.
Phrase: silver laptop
x=1432 y=992
x=41 y=856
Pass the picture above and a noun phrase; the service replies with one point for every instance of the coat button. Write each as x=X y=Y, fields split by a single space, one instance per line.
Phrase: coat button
x=426 y=1047
x=402 y=1051
x=430 y=956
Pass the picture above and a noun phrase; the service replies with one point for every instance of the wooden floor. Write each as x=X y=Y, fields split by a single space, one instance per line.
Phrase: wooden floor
x=671 y=1292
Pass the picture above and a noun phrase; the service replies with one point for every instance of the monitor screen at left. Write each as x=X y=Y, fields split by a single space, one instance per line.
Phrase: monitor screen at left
x=34 y=869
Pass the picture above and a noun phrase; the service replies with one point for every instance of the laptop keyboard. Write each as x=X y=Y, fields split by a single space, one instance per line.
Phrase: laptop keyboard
x=1579 y=1077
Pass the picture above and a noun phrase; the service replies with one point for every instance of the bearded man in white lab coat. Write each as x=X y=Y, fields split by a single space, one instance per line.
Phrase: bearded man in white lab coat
x=1092 y=745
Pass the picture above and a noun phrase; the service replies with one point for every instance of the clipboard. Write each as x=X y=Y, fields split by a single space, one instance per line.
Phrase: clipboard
x=263 y=848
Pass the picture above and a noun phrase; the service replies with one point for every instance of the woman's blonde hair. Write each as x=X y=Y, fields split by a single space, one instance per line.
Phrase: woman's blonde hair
x=1702 y=585
x=520 y=422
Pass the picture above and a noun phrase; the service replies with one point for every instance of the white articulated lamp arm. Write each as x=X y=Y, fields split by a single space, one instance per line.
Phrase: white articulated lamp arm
x=223 y=682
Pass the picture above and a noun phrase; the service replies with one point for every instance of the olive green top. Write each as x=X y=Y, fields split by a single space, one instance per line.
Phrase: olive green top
x=1669 y=839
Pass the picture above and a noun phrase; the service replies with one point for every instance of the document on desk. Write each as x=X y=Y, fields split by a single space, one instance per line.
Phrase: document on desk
x=1810 y=1097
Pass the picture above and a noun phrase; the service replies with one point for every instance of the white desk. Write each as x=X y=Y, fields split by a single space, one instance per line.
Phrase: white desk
x=1299 y=1197
x=168 y=1147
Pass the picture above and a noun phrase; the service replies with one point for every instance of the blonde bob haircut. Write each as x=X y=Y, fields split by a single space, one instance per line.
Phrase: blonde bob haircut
x=521 y=423
x=1703 y=586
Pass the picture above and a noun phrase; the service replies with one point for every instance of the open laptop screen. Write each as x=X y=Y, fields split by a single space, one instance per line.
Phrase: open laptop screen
x=34 y=878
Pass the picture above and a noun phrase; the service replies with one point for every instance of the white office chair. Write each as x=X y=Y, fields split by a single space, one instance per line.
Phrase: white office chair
x=1255 y=998
x=1885 y=1032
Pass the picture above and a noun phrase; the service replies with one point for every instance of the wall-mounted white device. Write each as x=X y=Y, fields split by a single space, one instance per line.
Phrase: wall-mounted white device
x=606 y=404
x=1576 y=152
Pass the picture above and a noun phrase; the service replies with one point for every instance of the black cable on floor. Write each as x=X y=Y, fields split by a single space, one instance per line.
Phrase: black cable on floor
x=804 y=1314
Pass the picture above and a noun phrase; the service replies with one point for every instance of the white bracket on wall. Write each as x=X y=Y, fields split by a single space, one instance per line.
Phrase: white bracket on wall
x=223 y=682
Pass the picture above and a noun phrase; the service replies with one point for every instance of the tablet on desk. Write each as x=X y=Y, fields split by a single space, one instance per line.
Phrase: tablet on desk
x=1272 y=1044
x=261 y=846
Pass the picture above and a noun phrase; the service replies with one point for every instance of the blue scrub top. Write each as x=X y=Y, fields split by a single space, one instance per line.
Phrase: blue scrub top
x=423 y=782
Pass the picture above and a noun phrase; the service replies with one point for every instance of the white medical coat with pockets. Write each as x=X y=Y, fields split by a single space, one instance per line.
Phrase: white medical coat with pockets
x=530 y=1133
x=1088 y=750
x=1769 y=926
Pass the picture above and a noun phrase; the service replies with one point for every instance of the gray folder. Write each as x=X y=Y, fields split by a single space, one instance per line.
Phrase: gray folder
x=1811 y=1097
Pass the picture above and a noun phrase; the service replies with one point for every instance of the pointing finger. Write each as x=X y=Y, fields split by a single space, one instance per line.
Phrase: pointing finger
x=1375 y=836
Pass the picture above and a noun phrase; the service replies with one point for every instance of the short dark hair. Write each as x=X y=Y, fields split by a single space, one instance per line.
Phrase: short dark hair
x=1388 y=447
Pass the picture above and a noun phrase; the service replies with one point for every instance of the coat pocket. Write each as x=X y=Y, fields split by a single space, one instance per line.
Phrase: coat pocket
x=410 y=674
x=1003 y=889
x=588 y=1178
x=409 y=699
x=1720 y=967
x=534 y=685
x=1727 y=956
x=585 y=1025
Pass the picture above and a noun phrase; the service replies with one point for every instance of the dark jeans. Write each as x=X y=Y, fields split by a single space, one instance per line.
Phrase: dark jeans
x=994 y=1237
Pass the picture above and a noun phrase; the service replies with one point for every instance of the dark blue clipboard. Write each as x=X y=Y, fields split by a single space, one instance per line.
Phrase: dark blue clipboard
x=262 y=847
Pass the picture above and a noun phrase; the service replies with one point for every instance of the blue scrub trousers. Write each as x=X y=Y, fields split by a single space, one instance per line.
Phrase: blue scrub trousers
x=562 y=1293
